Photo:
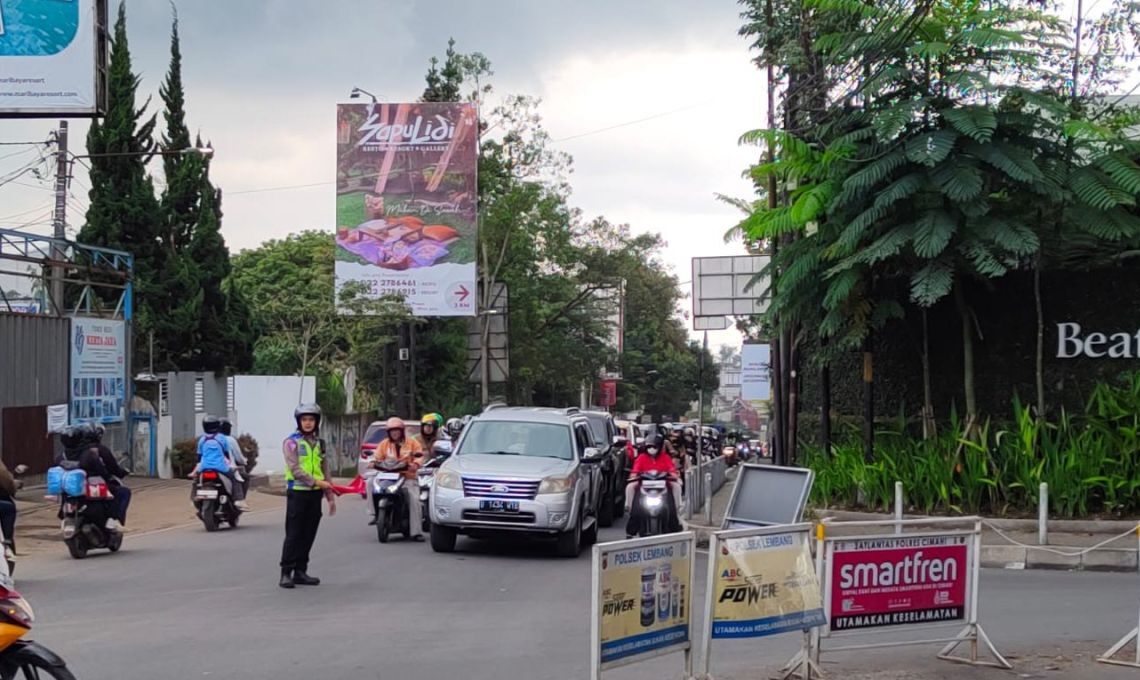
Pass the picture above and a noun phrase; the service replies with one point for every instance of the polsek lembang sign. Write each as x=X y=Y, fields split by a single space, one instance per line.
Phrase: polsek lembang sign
x=1074 y=343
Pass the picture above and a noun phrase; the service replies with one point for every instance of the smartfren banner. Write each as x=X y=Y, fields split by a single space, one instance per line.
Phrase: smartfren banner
x=49 y=56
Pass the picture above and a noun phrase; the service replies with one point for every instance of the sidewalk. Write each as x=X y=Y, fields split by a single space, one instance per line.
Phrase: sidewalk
x=156 y=504
x=1006 y=543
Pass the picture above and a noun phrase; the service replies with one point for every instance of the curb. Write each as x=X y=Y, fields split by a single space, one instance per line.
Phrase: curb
x=1063 y=526
x=1018 y=557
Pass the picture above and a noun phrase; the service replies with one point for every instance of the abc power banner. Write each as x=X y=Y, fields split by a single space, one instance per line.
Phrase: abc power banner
x=646 y=600
x=894 y=581
x=765 y=585
x=406 y=203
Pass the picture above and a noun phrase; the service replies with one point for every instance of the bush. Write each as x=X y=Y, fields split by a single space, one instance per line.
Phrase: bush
x=184 y=456
x=249 y=449
x=1090 y=461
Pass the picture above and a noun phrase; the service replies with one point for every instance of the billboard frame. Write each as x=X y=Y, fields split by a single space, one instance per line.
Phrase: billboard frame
x=740 y=302
x=101 y=56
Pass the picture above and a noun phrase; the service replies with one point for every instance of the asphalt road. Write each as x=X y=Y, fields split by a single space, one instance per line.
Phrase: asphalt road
x=184 y=604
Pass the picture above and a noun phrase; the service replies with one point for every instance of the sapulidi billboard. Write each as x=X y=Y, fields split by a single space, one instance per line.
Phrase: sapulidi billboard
x=898 y=581
x=644 y=598
x=764 y=585
x=49 y=58
x=406 y=204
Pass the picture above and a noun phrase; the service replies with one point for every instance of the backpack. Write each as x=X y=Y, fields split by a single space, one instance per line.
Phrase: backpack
x=212 y=452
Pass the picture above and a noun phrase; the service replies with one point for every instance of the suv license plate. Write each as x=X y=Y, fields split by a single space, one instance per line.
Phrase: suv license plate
x=499 y=506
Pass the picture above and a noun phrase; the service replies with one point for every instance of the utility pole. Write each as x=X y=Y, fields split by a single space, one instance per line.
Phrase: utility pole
x=59 y=215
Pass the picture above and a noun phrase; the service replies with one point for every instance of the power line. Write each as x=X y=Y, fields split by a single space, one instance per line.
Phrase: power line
x=20 y=214
x=632 y=122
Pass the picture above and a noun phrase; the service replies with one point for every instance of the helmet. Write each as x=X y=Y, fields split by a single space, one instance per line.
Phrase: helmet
x=652 y=444
x=395 y=423
x=675 y=428
x=690 y=432
x=433 y=419
x=211 y=424
x=453 y=427
x=307 y=410
x=72 y=437
x=227 y=427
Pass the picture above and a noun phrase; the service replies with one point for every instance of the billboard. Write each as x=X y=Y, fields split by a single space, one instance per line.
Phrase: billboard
x=53 y=57
x=406 y=200
x=755 y=372
x=98 y=370
x=897 y=581
x=643 y=598
x=764 y=584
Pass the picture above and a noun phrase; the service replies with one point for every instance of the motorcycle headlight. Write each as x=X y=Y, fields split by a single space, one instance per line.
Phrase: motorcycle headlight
x=557 y=484
x=446 y=479
x=394 y=488
x=17 y=609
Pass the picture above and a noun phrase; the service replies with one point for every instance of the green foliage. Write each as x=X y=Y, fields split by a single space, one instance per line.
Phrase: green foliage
x=249 y=449
x=183 y=457
x=1090 y=462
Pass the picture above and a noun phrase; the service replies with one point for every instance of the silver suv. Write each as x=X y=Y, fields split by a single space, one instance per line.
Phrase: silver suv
x=529 y=471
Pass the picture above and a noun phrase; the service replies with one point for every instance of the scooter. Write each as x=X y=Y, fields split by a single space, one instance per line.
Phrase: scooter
x=21 y=658
x=213 y=497
x=83 y=516
x=389 y=500
x=653 y=499
x=440 y=451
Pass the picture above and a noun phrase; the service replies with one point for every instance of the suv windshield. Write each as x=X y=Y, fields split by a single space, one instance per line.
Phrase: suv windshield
x=543 y=440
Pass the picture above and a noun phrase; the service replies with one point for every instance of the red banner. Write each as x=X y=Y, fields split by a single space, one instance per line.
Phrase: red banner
x=893 y=581
x=607 y=393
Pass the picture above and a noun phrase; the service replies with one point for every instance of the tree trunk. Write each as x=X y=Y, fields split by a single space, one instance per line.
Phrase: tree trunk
x=825 y=405
x=793 y=408
x=868 y=398
x=1040 y=366
x=967 y=359
x=777 y=417
x=928 y=429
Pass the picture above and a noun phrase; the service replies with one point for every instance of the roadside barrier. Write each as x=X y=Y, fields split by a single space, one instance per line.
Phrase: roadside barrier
x=761 y=582
x=642 y=601
x=877 y=584
x=1133 y=636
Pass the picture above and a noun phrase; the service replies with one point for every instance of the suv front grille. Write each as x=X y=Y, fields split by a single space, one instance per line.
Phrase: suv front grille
x=478 y=487
x=499 y=517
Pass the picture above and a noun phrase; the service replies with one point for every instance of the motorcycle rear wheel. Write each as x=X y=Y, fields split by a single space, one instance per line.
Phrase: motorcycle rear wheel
x=76 y=547
x=209 y=518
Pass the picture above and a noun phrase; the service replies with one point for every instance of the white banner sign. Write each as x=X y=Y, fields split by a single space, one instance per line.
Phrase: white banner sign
x=48 y=56
x=98 y=369
x=755 y=373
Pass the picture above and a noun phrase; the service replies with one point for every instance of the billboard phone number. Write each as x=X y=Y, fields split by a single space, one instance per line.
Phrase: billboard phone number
x=389 y=286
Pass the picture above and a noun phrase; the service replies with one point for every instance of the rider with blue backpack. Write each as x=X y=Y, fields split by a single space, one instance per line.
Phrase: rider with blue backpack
x=214 y=454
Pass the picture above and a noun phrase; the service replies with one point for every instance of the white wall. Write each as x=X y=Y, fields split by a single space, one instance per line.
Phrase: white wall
x=263 y=407
x=164 y=441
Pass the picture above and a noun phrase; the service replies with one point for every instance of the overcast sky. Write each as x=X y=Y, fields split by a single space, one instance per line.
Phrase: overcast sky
x=263 y=76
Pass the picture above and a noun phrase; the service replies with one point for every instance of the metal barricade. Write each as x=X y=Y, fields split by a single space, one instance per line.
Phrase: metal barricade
x=1133 y=636
x=865 y=578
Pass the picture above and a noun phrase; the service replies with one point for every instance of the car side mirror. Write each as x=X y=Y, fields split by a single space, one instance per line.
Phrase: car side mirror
x=592 y=455
x=619 y=440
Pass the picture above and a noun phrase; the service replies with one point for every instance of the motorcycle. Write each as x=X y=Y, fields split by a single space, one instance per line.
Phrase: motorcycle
x=440 y=451
x=84 y=507
x=10 y=541
x=213 y=498
x=653 y=496
x=389 y=500
x=21 y=658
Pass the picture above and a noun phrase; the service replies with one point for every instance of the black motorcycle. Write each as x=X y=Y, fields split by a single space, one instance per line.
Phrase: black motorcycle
x=84 y=518
x=655 y=514
x=440 y=451
x=213 y=497
x=388 y=498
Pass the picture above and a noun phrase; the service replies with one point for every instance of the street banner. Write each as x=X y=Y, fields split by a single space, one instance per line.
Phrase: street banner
x=764 y=585
x=406 y=204
x=51 y=55
x=643 y=605
x=898 y=581
x=98 y=370
x=755 y=373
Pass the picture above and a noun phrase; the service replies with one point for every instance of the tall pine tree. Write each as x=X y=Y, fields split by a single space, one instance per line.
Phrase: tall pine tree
x=124 y=213
x=216 y=340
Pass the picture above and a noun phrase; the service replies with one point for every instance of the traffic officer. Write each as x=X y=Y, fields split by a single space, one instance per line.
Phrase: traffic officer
x=307 y=479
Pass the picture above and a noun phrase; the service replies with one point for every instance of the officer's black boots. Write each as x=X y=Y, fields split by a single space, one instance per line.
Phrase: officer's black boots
x=286 y=578
x=303 y=579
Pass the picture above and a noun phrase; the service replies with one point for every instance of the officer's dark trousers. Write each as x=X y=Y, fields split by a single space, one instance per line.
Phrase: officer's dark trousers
x=302 y=517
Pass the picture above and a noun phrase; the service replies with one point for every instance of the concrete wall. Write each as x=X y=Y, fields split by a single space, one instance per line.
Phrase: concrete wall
x=183 y=418
x=263 y=407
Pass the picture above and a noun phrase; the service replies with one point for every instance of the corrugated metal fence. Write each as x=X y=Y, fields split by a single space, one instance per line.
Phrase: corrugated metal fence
x=34 y=356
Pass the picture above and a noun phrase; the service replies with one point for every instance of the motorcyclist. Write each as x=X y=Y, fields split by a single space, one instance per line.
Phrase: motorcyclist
x=234 y=449
x=83 y=444
x=689 y=442
x=214 y=454
x=650 y=459
x=396 y=447
x=8 y=487
x=430 y=426
x=453 y=428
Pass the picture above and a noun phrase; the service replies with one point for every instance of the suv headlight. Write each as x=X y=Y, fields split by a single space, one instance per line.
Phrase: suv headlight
x=557 y=484
x=446 y=479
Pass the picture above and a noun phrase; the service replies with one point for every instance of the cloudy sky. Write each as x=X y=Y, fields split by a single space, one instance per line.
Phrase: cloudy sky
x=649 y=96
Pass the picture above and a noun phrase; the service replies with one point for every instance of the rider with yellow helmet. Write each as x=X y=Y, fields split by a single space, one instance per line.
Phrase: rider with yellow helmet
x=430 y=426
